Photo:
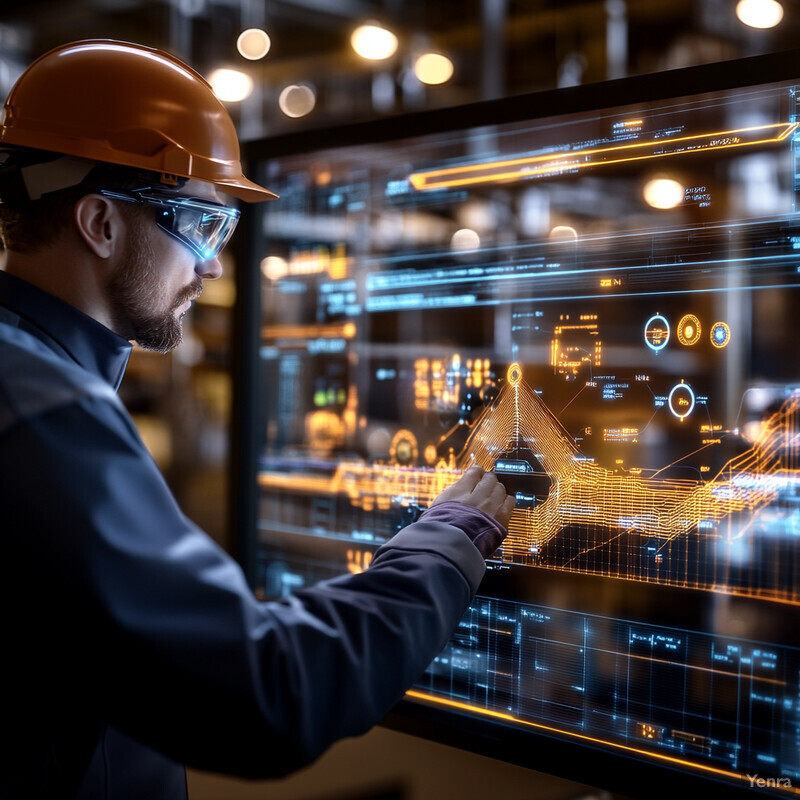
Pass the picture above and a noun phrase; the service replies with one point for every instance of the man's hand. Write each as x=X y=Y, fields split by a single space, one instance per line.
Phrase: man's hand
x=482 y=490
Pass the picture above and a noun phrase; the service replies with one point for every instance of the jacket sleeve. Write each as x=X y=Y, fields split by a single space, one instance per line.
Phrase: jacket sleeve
x=174 y=649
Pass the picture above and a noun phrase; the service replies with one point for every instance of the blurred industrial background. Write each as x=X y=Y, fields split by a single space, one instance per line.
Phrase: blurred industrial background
x=494 y=47
x=290 y=65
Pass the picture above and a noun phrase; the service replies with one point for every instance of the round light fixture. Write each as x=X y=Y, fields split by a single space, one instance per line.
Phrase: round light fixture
x=230 y=85
x=433 y=68
x=464 y=240
x=759 y=13
x=297 y=100
x=253 y=43
x=373 y=42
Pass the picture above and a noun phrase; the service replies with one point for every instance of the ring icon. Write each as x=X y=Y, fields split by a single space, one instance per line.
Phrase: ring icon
x=689 y=330
x=681 y=400
x=720 y=334
x=656 y=333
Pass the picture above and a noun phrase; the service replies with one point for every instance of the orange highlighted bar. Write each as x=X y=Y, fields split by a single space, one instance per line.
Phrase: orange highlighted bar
x=344 y=330
x=551 y=164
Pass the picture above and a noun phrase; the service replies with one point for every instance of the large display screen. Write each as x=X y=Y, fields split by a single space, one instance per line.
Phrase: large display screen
x=601 y=303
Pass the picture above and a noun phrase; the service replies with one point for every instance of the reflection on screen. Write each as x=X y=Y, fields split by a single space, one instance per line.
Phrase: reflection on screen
x=603 y=309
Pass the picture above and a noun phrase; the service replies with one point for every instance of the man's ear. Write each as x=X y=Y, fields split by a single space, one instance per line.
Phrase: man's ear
x=99 y=224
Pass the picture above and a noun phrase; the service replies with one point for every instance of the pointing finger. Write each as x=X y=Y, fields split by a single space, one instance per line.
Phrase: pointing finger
x=472 y=478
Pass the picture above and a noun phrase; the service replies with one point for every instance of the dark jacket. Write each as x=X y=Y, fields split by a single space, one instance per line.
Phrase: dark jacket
x=132 y=643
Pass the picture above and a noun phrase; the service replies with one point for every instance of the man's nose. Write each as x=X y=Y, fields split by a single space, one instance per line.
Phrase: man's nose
x=211 y=269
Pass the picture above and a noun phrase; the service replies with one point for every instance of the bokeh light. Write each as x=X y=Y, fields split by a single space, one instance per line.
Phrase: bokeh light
x=759 y=13
x=230 y=85
x=663 y=193
x=373 y=42
x=297 y=100
x=433 y=68
x=253 y=43
x=465 y=240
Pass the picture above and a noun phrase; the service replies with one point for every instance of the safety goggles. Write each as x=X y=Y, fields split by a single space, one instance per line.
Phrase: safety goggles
x=202 y=225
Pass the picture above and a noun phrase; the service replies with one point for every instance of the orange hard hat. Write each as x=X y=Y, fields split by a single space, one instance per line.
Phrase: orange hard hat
x=131 y=105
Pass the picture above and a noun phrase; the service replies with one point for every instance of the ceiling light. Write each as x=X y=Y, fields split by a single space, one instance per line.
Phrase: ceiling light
x=759 y=13
x=663 y=193
x=465 y=240
x=433 y=68
x=253 y=43
x=373 y=42
x=297 y=100
x=230 y=85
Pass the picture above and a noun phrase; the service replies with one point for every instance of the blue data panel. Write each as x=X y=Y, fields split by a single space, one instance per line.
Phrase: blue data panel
x=600 y=305
x=728 y=705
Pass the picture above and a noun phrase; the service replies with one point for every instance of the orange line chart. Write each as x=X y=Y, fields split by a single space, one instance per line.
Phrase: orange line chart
x=586 y=495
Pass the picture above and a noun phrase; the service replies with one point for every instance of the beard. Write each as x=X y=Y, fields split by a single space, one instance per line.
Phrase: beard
x=137 y=295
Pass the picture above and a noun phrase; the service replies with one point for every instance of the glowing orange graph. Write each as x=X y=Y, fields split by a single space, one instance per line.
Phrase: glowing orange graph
x=584 y=494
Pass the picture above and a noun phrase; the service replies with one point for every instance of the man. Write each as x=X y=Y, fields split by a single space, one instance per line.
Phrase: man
x=132 y=643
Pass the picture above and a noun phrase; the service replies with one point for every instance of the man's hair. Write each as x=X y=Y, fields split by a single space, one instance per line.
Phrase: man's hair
x=30 y=225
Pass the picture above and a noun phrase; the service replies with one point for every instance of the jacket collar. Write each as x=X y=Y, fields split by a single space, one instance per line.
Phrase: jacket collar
x=64 y=329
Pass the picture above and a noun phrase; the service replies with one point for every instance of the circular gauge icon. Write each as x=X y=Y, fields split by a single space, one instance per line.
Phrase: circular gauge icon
x=656 y=332
x=689 y=330
x=403 y=450
x=681 y=400
x=720 y=334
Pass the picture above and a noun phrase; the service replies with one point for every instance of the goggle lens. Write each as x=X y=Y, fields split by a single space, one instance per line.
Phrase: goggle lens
x=202 y=225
